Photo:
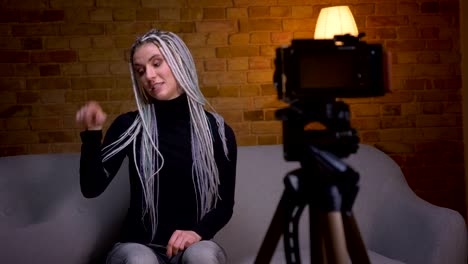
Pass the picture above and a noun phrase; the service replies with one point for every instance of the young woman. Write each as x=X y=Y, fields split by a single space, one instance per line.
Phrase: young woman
x=182 y=159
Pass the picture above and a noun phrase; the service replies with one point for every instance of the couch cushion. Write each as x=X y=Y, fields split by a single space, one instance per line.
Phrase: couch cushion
x=45 y=219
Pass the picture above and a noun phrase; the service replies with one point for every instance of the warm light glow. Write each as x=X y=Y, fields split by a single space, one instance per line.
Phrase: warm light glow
x=335 y=20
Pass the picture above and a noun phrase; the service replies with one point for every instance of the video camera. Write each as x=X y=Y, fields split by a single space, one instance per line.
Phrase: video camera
x=316 y=69
x=311 y=74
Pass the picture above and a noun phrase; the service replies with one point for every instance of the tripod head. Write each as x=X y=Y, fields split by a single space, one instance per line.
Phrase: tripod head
x=337 y=137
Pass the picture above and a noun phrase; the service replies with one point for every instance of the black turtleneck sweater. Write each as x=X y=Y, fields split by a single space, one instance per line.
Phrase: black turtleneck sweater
x=177 y=208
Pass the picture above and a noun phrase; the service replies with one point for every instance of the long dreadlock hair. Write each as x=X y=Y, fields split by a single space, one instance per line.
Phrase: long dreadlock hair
x=205 y=175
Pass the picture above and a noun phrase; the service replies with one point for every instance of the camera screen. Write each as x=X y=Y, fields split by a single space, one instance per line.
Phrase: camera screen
x=327 y=69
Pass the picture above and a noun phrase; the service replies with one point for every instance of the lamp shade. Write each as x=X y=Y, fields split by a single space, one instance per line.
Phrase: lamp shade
x=335 y=20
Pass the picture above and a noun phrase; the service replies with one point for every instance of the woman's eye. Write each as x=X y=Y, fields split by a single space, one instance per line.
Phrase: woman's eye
x=157 y=63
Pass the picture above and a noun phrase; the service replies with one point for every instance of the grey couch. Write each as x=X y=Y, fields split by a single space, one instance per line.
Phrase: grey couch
x=44 y=218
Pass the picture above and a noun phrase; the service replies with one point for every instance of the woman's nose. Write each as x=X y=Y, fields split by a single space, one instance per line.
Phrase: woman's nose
x=150 y=73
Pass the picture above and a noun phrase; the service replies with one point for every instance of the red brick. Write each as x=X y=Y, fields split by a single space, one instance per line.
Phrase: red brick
x=117 y=3
x=430 y=32
x=195 y=13
x=215 y=65
x=258 y=63
x=32 y=44
x=220 y=26
x=53 y=56
x=259 y=11
x=436 y=20
x=92 y=83
x=439 y=44
x=436 y=121
x=247 y=140
x=266 y=127
x=217 y=38
x=178 y=27
x=237 y=13
x=408 y=32
x=366 y=123
x=35 y=30
x=147 y=14
x=18 y=137
x=391 y=110
x=408 y=8
x=169 y=13
x=97 y=95
x=13 y=151
x=260 y=76
x=48 y=83
x=447 y=84
x=12 y=84
x=65 y=147
x=249 y=90
x=9 y=15
x=17 y=123
x=281 y=37
x=56 y=137
x=406 y=45
x=53 y=96
x=54 y=110
x=364 y=9
x=49 y=70
x=214 y=13
x=280 y=11
x=265 y=102
x=370 y=136
x=449 y=7
x=82 y=29
x=68 y=3
x=229 y=91
x=292 y=25
x=387 y=21
x=7 y=97
x=124 y=14
x=15 y=110
x=237 y=51
x=45 y=123
x=14 y=56
x=256 y=115
x=267 y=140
x=265 y=24
x=386 y=33
x=430 y=7
x=100 y=14
x=163 y=3
x=26 y=69
x=386 y=9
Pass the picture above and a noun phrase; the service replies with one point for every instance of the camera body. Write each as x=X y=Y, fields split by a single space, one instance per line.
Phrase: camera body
x=344 y=67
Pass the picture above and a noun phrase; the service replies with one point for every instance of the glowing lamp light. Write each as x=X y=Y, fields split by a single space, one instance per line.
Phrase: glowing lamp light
x=335 y=20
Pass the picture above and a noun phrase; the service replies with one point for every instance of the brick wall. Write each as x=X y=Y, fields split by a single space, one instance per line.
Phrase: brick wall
x=57 y=54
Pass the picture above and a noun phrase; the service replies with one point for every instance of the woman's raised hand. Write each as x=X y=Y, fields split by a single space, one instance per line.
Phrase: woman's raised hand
x=91 y=116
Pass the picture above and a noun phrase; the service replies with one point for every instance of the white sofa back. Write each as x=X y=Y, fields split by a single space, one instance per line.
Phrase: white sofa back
x=45 y=219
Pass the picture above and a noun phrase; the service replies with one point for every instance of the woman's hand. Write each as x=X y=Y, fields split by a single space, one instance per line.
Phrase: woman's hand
x=91 y=116
x=180 y=240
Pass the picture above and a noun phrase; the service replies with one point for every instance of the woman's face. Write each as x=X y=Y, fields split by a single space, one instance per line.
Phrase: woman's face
x=154 y=73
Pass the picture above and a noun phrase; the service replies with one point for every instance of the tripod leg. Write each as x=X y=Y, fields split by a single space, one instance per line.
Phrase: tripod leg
x=275 y=230
x=356 y=247
x=334 y=238
x=290 y=238
x=317 y=249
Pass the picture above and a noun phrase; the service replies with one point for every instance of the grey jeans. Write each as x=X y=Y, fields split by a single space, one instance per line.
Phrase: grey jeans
x=205 y=251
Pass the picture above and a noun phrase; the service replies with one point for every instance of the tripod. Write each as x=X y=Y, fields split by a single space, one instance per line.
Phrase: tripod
x=334 y=234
